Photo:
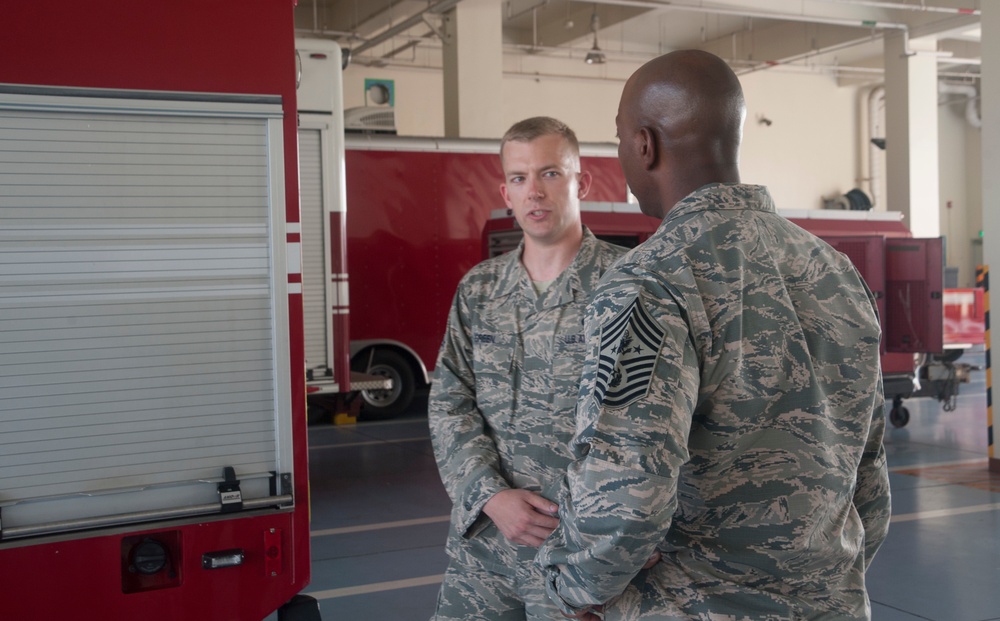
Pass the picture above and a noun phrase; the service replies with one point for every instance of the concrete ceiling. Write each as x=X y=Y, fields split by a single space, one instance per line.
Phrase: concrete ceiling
x=843 y=37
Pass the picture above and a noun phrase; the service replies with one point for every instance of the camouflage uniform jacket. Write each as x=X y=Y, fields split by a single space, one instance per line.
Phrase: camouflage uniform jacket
x=502 y=404
x=731 y=415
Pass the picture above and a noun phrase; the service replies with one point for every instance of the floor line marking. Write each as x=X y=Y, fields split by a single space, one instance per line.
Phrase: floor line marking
x=393 y=585
x=938 y=464
x=376 y=587
x=379 y=526
x=925 y=515
x=369 y=443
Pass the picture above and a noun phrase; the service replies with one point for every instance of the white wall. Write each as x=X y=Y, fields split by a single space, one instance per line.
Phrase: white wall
x=584 y=96
x=953 y=190
x=961 y=187
x=419 y=96
x=974 y=197
x=532 y=86
x=809 y=152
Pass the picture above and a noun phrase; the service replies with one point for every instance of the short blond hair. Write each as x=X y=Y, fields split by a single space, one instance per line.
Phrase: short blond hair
x=536 y=127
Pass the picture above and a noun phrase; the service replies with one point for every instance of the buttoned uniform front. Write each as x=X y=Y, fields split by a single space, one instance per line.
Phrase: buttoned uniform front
x=731 y=416
x=501 y=408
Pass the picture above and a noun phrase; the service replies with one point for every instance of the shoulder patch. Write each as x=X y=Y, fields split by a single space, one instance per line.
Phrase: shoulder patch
x=630 y=347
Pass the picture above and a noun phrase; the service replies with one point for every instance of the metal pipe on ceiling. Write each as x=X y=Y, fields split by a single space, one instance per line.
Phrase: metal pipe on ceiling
x=791 y=17
x=509 y=16
x=882 y=4
x=329 y=33
x=406 y=24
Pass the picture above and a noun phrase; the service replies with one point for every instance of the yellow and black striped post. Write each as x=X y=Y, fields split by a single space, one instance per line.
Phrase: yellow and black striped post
x=983 y=280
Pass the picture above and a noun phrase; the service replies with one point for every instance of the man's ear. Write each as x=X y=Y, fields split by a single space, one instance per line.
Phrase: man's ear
x=585 y=180
x=648 y=152
x=503 y=193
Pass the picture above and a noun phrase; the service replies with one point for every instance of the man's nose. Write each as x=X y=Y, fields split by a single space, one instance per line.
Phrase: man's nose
x=535 y=187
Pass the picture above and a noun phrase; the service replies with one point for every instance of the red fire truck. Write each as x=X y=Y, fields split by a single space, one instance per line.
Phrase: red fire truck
x=153 y=458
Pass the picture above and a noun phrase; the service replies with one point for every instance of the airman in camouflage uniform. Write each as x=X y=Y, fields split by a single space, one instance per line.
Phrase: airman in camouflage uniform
x=731 y=411
x=502 y=403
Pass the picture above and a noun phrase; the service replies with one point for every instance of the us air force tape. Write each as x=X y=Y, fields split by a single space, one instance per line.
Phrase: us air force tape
x=630 y=347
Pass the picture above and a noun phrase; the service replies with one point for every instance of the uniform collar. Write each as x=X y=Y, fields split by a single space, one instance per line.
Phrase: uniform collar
x=719 y=196
x=514 y=278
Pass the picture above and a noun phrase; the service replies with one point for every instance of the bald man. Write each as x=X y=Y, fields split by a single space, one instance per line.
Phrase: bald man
x=731 y=410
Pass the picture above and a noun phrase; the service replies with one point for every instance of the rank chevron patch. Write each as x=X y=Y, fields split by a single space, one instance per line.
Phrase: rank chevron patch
x=630 y=347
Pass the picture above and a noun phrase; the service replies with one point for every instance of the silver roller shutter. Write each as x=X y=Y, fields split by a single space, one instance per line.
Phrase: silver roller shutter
x=139 y=301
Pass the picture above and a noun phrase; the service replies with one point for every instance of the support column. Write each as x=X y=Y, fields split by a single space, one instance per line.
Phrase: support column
x=989 y=105
x=473 y=70
x=911 y=95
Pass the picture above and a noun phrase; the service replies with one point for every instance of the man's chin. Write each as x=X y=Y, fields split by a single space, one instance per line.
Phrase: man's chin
x=540 y=234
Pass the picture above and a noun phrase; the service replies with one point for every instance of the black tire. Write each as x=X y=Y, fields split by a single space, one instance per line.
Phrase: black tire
x=300 y=608
x=950 y=355
x=899 y=416
x=383 y=404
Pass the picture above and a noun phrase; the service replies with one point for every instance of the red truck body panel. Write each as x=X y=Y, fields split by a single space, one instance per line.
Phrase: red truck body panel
x=85 y=578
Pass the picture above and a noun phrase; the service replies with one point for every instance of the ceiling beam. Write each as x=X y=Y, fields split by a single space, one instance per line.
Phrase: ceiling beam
x=436 y=9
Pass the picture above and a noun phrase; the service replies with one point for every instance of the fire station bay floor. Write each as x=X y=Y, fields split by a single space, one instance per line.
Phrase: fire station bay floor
x=380 y=516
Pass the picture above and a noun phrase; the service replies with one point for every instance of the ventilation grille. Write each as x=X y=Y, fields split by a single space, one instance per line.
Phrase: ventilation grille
x=370 y=119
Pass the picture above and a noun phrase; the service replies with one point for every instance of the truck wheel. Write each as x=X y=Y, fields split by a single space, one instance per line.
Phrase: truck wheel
x=300 y=608
x=950 y=355
x=899 y=416
x=387 y=403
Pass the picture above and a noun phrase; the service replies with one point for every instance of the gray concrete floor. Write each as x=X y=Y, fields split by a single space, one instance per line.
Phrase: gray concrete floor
x=380 y=516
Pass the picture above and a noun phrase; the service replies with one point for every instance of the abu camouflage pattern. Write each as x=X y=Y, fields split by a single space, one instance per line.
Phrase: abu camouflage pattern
x=471 y=592
x=751 y=456
x=502 y=403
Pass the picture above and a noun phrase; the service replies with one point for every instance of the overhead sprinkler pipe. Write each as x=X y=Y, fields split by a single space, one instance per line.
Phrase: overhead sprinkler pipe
x=971 y=94
x=908 y=6
x=791 y=17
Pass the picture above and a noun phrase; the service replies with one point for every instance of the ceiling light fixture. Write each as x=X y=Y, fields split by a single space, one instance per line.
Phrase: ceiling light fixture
x=595 y=56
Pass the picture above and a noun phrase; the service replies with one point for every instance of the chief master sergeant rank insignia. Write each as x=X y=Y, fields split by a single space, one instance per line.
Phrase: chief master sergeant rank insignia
x=630 y=347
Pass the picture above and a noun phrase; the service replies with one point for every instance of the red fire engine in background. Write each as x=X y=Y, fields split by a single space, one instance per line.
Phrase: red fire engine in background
x=153 y=450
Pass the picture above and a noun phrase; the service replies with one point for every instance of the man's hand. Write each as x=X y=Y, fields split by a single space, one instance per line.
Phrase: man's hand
x=653 y=559
x=589 y=614
x=523 y=517
x=592 y=613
